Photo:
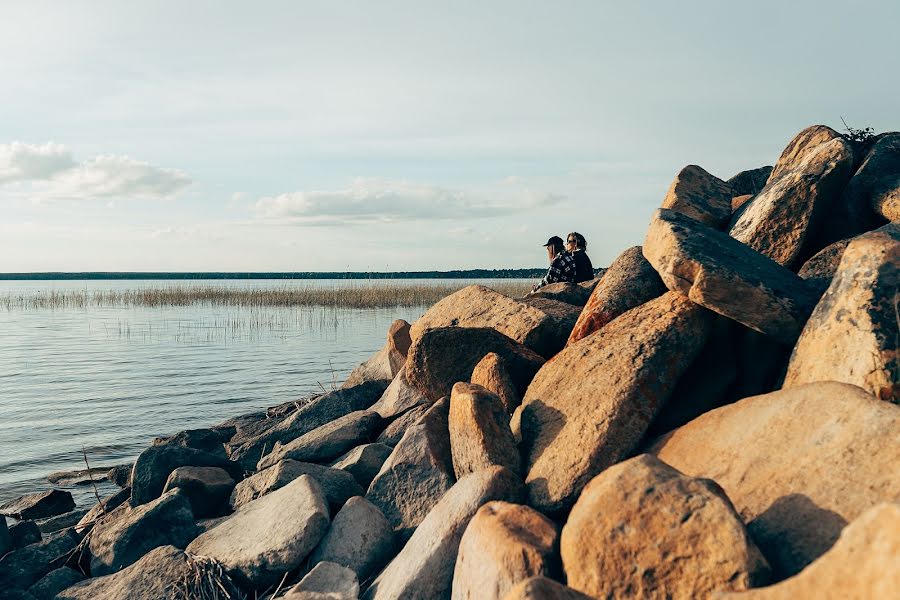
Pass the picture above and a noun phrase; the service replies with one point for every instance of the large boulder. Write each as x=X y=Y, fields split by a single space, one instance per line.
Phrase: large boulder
x=328 y=441
x=326 y=581
x=23 y=533
x=725 y=276
x=154 y=465
x=819 y=270
x=387 y=361
x=479 y=431
x=424 y=568
x=862 y=564
x=784 y=219
x=441 y=357
x=104 y=507
x=39 y=506
x=543 y=588
x=54 y=582
x=21 y=568
x=399 y=397
x=854 y=331
x=208 y=440
x=798 y=464
x=642 y=529
x=364 y=462
x=491 y=374
x=701 y=196
x=503 y=545
x=878 y=179
x=269 y=536
x=564 y=315
x=337 y=485
x=117 y=543
x=590 y=406
x=207 y=488
x=628 y=282
x=51 y=524
x=417 y=473
x=570 y=293
x=749 y=182
x=394 y=432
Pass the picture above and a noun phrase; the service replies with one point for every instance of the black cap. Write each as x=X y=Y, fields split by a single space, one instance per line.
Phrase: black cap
x=554 y=241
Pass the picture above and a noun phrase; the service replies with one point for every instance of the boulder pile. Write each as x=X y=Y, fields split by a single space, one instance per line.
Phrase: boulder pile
x=717 y=415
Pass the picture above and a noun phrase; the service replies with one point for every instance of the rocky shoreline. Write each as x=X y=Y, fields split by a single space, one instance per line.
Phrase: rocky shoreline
x=717 y=414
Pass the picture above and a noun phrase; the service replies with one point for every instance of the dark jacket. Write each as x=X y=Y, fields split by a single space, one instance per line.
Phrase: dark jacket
x=584 y=270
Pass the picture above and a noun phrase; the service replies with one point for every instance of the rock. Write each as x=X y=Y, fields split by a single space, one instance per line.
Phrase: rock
x=208 y=440
x=819 y=270
x=387 y=361
x=725 y=276
x=107 y=505
x=417 y=473
x=207 y=489
x=23 y=567
x=564 y=316
x=337 y=485
x=590 y=406
x=78 y=476
x=738 y=202
x=479 y=307
x=38 y=506
x=862 y=564
x=165 y=573
x=700 y=196
x=783 y=220
x=570 y=293
x=23 y=533
x=750 y=182
x=360 y=538
x=854 y=331
x=364 y=462
x=120 y=475
x=503 y=545
x=878 y=179
x=6 y=543
x=320 y=411
x=629 y=282
x=54 y=582
x=269 y=536
x=399 y=397
x=642 y=529
x=798 y=464
x=339 y=583
x=480 y=436
x=328 y=441
x=424 y=568
x=441 y=357
x=542 y=588
x=166 y=521
x=154 y=465
x=393 y=432
x=69 y=519
x=491 y=374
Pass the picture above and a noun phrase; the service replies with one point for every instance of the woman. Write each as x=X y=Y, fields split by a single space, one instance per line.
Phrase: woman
x=576 y=245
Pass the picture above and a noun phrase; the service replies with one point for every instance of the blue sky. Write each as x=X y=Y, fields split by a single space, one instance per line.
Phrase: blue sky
x=399 y=135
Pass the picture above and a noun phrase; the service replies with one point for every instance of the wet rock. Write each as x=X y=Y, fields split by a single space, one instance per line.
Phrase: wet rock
x=154 y=465
x=120 y=475
x=441 y=357
x=491 y=374
x=628 y=282
x=387 y=362
x=543 y=588
x=107 y=505
x=23 y=533
x=38 y=506
x=394 y=432
x=328 y=441
x=819 y=270
x=337 y=485
x=853 y=333
x=591 y=405
x=23 y=567
x=69 y=519
x=364 y=462
x=480 y=436
x=360 y=538
x=399 y=397
x=207 y=489
x=503 y=545
x=570 y=293
x=54 y=582
x=798 y=464
x=417 y=473
x=605 y=549
x=725 y=276
x=326 y=580
x=700 y=196
x=269 y=536
x=424 y=568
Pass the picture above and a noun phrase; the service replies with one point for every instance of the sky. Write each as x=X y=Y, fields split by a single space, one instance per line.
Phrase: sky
x=397 y=136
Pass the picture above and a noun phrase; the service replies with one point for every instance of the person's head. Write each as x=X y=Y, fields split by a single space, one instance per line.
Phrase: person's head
x=554 y=246
x=575 y=241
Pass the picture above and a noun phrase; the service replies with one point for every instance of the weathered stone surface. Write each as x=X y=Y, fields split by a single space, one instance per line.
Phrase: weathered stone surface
x=798 y=464
x=564 y=317
x=491 y=374
x=700 y=196
x=641 y=529
x=424 y=568
x=207 y=489
x=39 y=506
x=103 y=507
x=394 y=432
x=417 y=473
x=570 y=293
x=327 y=578
x=387 y=361
x=23 y=567
x=364 y=462
x=166 y=521
x=441 y=357
x=328 y=441
x=208 y=440
x=878 y=178
x=782 y=219
x=503 y=545
x=749 y=182
x=360 y=538
x=120 y=475
x=337 y=485
x=479 y=431
x=23 y=533
x=543 y=588
x=854 y=331
x=590 y=406
x=319 y=411
x=819 y=270
x=154 y=465
x=725 y=276
x=269 y=536
x=78 y=476
x=862 y=564
x=628 y=282
x=479 y=307
x=54 y=582
x=69 y=519
x=739 y=201
x=399 y=397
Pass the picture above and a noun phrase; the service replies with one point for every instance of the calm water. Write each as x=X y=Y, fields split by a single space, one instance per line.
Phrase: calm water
x=111 y=379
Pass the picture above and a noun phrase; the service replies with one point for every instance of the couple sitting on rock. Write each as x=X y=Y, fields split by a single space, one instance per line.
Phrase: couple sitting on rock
x=568 y=262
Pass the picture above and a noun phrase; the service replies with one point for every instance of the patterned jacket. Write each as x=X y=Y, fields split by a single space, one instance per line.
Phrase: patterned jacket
x=561 y=269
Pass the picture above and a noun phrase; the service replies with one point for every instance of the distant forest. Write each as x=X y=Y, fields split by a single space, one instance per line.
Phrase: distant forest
x=459 y=274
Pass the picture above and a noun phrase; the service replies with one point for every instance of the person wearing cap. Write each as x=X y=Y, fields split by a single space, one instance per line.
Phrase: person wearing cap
x=562 y=265
x=576 y=246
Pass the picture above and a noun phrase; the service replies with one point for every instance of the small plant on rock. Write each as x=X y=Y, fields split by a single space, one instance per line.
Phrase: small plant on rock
x=857 y=136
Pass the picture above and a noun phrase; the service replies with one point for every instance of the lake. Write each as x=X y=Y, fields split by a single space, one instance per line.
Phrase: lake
x=110 y=378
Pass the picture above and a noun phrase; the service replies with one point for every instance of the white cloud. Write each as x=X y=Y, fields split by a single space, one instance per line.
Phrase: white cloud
x=30 y=162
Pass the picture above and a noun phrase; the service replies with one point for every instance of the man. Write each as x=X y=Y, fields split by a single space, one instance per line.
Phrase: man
x=562 y=265
x=576 y=246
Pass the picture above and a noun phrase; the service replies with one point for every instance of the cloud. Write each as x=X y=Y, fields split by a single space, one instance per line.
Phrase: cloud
x=30 y=162
x=378 y=200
